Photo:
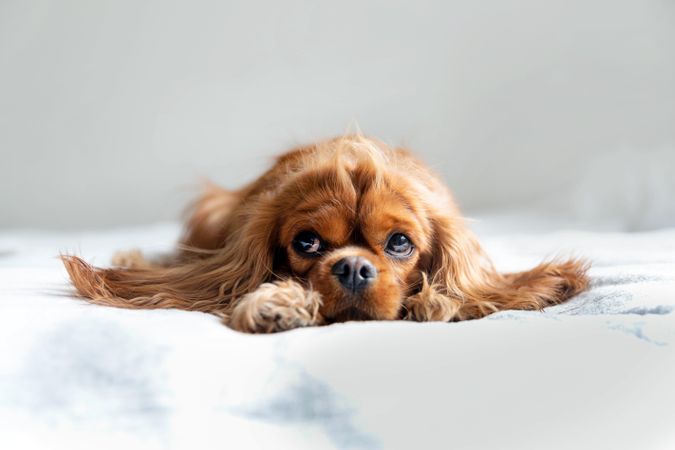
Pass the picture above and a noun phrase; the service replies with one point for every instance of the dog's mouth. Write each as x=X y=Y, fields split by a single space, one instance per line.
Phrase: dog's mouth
x=351 y=313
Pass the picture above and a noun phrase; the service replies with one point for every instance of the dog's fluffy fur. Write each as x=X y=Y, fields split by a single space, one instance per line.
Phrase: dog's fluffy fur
x=239 y=256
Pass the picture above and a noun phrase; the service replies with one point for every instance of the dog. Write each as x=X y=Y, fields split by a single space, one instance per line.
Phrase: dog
x=344 y=229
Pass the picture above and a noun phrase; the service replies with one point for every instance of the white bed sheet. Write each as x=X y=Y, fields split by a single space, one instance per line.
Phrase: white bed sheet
x=597 y=372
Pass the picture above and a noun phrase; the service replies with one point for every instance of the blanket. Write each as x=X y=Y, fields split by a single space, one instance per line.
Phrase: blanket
x=596 y=372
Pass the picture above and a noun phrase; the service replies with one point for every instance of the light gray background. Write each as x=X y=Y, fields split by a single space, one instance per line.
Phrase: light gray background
x=111 y=111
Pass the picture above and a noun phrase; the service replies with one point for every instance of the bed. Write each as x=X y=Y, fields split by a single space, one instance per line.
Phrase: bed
x=596 y=372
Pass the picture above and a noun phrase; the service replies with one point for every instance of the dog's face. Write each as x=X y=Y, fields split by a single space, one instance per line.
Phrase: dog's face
x=356 y=232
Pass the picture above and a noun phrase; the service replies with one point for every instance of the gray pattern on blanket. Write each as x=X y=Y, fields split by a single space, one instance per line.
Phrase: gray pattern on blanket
x=295 y=397
x=91 y=372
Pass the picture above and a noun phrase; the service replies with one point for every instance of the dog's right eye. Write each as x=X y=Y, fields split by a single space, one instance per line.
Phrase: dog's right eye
x=308 y=243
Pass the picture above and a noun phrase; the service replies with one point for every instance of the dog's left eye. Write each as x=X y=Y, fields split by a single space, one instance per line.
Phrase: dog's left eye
x=308 y=243
x=399 y=245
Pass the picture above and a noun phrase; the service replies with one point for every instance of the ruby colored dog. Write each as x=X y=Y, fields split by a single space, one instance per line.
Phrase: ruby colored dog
x=346 y=229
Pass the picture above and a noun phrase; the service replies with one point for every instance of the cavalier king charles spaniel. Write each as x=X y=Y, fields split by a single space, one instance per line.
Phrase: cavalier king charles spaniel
x=346 y=229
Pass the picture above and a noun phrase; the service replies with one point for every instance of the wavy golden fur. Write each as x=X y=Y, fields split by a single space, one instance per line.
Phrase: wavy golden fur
x=344 y=229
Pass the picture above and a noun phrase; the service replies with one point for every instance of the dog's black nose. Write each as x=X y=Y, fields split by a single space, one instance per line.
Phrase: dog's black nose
x=354 y=273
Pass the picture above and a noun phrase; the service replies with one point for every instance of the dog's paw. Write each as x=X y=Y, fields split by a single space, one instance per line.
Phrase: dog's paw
x=129 y=258
x=276 y=307
x=429 y=305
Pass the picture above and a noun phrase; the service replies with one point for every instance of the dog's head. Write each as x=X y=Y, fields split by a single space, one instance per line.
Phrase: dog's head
x=353 y=219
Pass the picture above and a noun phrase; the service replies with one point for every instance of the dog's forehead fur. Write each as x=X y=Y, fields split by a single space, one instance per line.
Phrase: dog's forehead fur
x=352 y=188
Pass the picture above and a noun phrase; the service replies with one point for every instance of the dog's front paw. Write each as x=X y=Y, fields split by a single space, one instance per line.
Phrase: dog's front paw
x=429 y=305
x=276 y=307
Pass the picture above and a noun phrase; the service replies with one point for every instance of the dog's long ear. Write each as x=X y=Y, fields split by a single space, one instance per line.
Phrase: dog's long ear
x=461 y=271
x=208 y=283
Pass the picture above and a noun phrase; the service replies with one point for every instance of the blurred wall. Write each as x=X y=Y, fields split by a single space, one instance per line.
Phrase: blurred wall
x=110 y=111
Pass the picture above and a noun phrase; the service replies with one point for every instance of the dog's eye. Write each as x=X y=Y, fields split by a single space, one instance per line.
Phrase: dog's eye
x=308 y=243
x=399 y=245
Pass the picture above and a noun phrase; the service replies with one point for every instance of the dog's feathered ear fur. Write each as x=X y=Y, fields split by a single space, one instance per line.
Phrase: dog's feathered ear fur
x=462 y=283
x=240 y=237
